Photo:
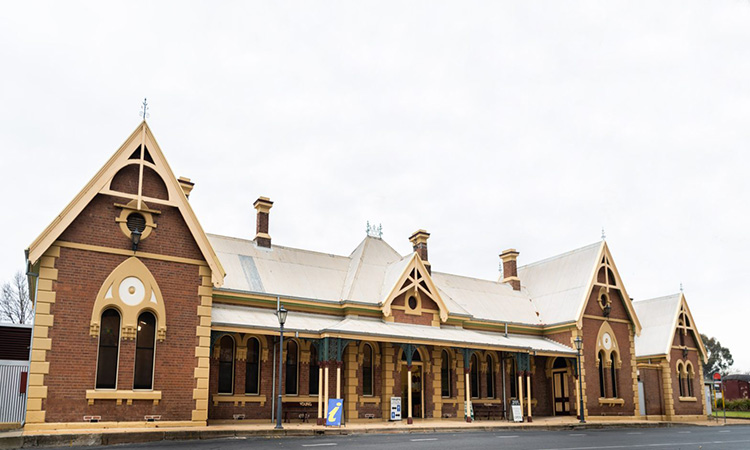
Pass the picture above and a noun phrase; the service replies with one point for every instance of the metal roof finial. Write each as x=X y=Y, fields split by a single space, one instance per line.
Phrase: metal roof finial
x=375 y=231
x=144 y=110
x=680 y=286
x=604 y=235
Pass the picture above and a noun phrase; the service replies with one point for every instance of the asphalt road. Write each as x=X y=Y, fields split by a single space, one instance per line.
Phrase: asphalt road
x=682 y=438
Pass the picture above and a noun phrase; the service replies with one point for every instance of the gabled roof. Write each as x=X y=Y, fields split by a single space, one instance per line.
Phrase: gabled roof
x=100 y=184
x=560 y=286
x=659 y=317
x=415 y=276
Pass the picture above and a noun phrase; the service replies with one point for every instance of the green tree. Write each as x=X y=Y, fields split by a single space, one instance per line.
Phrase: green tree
x=719 y=358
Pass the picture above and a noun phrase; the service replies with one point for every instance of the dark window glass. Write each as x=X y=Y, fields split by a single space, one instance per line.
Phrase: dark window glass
x=613 y=371
x=445 y=375
x=291 y=368
x=490 y=378
x=474 y=376
x=252 y=377
x=314 y=377
x=109 y=342
x=602 y=387
x=367 y=370
x=144 y=352
x=689 y=379
x=679 y=380
x=226 y=365
x=513 y=378
x=412 y=302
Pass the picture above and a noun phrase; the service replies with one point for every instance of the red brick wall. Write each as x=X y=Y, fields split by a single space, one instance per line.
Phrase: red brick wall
x=426 y=318
x=653 y=391
x=687 y=407
x=624 y=373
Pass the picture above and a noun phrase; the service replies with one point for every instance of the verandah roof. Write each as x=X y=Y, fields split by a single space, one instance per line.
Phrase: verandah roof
x=248 y=318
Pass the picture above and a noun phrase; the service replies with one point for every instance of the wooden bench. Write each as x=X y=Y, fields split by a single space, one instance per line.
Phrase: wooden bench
x=488 y=411
x=299 y=410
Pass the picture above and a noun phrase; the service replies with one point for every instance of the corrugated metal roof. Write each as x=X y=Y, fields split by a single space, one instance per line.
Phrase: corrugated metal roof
x=553 y=289
x=558 y=286
x=257 y=318
x=658 y=318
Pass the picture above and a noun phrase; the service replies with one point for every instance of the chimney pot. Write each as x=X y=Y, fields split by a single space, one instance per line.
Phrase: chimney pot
x=510 y=268
x=186 y=185
x=418 y=241
x=263 y=207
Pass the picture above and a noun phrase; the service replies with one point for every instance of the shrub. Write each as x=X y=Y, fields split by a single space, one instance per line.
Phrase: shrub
x=742 y=404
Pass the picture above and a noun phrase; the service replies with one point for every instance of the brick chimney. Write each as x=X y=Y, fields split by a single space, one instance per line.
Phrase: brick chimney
x=186 y=185
x=510 y=269
x=418 y=241
x=263 y=206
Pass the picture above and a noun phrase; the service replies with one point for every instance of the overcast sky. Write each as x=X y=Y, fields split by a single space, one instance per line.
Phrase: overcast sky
x=490 y=124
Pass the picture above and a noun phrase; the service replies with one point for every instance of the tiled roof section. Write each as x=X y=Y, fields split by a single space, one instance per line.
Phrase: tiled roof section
x=658 y=318
x=558 y=286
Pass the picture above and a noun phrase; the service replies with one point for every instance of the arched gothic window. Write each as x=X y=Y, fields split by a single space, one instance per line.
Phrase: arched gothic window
x=613 y=373
x=252 y=374
x=445 y=374
x=314 y=376
x=474 y=376
x=226 y=365
x=490 y=377
x=689 y=375
x=144 y=352
x=681 y=387
x=292 y=368
x=109 y=346
x=513 y=378
x=602 y=384
x=367 y=378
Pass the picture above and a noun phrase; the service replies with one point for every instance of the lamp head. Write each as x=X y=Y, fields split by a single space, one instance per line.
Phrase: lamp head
x=607 y=310
x=282 y=315
x=579 y=343
x=135 y=236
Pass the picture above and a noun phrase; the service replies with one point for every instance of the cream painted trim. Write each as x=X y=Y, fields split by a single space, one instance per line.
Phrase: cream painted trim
x=120 y=395
x=604 y=251
x=238 y=400
x=688 y=399
x=434 y=295
x=611 y=401
x=606 y=319
x=104 y=425
x=299 y=398
x=683 y=304
x=100 y=181
x=203 y=348
x=117 y=251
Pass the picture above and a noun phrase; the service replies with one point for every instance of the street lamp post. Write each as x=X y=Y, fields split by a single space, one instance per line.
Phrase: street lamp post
x=282 y=312
x=579 y=345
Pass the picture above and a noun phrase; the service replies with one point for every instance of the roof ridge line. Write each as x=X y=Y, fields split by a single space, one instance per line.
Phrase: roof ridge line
x=570 y=252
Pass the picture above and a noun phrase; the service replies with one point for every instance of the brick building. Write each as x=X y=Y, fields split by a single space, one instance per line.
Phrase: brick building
x=141 y=316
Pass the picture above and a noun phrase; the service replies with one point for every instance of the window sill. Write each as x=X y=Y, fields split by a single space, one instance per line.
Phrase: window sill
x=611 y=401
x=369 y=399
x=128 y=396
x=688 y=399
x=239 y=400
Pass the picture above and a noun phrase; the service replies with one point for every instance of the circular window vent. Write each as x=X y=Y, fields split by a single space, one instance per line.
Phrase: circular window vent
x=136 y=222
x=412 y=302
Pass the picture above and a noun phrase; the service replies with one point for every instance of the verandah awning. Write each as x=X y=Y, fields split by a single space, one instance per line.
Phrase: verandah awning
x=317 y=325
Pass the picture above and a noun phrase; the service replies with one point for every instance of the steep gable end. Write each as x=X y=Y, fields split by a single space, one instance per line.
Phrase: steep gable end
x=415 y=279
x=141 y=159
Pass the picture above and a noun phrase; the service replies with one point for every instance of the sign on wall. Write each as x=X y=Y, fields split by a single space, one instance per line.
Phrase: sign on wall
x=395 y=408
x=335 y=408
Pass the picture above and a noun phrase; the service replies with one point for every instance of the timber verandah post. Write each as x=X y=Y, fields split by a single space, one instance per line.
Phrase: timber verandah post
x=332 y=348
x=467 y=352
x=409 y=350
x=523 y=361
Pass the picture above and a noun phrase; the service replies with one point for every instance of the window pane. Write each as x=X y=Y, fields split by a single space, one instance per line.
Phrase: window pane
x=614 y=375
x=367 y=371
x=474 y=377
x=314 y=377
x=602 y=390
x=144 y=352
x=291 y=368
x=226 y=364
x=445 y=375
x=513 y=379
x=490 y=378
x=252 y=376
x=109 y=341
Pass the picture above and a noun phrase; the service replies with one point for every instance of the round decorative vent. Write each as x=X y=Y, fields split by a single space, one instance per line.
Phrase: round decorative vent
x=136 y=222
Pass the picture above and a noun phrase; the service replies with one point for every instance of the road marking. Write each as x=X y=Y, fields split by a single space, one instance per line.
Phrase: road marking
x=636 y=432
x=724 y=431
x=423 y=439
x=683 y=432
x=580 y=434
x=319 y=445
x=669 y=444
x=503 y=437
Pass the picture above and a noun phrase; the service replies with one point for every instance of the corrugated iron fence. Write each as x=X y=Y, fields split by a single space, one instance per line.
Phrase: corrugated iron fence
x=13 y=390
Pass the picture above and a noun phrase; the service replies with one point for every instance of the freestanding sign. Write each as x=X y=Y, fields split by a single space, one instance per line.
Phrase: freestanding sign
x=395 y=408
x=516 y=412
x=333 y=419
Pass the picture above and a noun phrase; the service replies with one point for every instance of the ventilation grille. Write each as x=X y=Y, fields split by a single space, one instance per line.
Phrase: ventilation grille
x=136 y=222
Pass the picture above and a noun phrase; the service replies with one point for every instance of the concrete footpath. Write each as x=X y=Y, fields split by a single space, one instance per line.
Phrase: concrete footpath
x=110 y=436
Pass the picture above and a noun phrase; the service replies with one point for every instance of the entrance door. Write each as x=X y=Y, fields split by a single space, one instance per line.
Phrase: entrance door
x=416 y=392
x=561 y=394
